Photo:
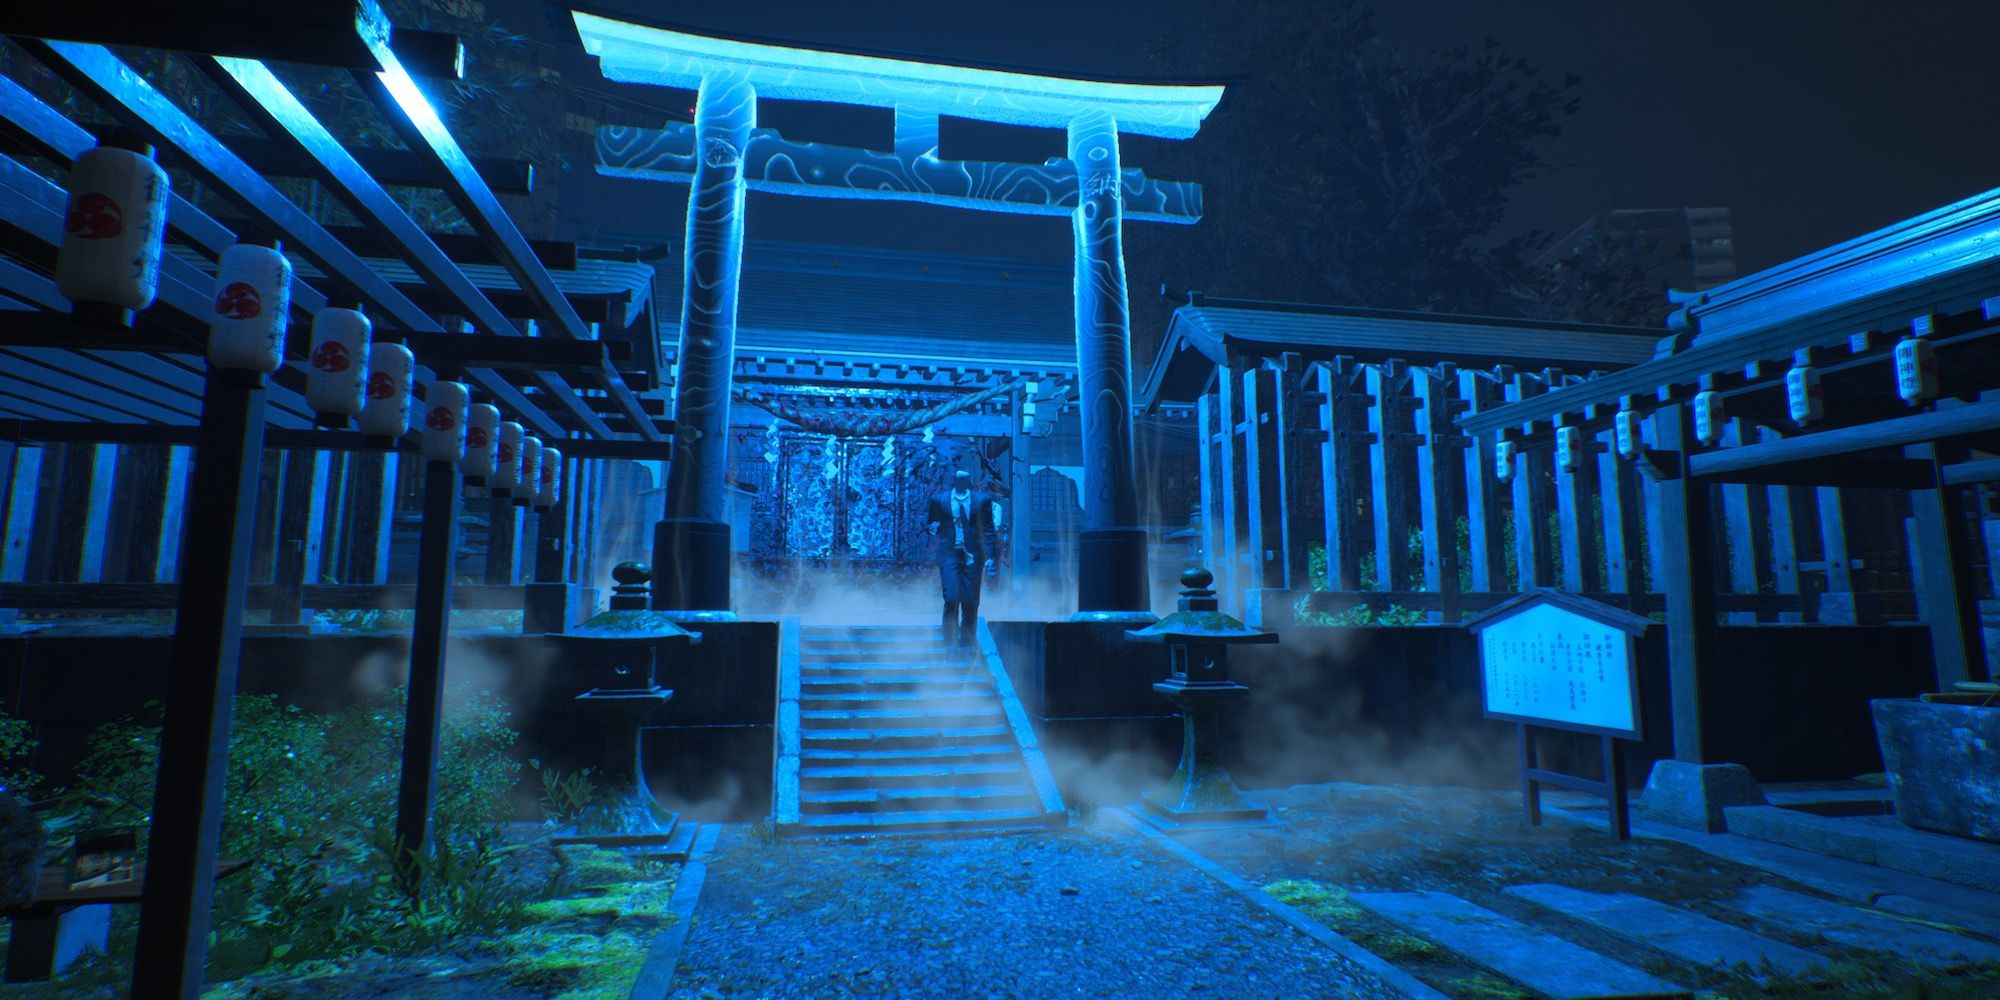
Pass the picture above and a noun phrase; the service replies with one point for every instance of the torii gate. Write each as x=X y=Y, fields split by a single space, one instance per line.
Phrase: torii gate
x=723 y=154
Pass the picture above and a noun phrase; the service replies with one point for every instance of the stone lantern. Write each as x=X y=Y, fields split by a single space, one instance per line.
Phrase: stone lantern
x=616 y=657
x=1198 y=637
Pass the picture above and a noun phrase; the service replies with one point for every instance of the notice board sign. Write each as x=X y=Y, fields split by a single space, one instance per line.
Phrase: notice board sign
x=1560 y=661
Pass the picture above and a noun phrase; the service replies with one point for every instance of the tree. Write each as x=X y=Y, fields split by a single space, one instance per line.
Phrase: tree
x=1346 y=172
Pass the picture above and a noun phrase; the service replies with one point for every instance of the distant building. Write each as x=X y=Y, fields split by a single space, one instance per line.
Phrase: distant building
x=1690 y=249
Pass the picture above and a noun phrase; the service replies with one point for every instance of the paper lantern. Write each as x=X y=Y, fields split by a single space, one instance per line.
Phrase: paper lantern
x=387 y=411
x=1503 y=459
x=1803 y=396
x=1708 y=416
x=252 y=308
x=482 y=441
x=1625 y=430
x=444 y=421
x=1569 y=448
x=1916 y=370
x=549 y=491
x=112 y=229
x=531 y=471
x=507 y=460
x=337 y=365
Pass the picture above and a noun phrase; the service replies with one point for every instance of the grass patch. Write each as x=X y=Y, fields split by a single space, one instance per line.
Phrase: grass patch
x=1324 y=903
x=1480 y=986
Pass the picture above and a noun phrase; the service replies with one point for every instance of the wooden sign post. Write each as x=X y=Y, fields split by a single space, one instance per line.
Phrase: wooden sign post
x=1553 y=660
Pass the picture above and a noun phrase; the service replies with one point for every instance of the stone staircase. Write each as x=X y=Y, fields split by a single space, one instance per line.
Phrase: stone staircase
x=882 y=729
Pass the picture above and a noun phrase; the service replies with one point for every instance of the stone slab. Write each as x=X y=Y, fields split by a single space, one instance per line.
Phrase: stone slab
x=1858 y=928
x=1685 y=935
x=1943 y=763
x=1863 y=885
x=1540 y=961
x=1694 y=796
x=1873 y=840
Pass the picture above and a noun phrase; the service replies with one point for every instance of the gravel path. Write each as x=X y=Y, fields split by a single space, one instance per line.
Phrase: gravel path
x=1080 y=912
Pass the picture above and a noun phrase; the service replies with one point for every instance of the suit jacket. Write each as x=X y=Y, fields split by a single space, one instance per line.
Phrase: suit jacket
x=980 y=538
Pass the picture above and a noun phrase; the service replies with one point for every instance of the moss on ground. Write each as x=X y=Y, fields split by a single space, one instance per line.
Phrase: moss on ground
x=589 y=943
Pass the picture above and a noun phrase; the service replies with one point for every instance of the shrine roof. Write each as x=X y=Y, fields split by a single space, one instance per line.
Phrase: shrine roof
x=1207 y=332
x=637 y=53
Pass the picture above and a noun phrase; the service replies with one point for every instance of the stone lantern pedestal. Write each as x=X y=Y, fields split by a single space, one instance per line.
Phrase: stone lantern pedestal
x=617 y=653
x=1198 y=636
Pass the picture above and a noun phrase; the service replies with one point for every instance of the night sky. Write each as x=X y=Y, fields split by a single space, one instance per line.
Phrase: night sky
x=1812 y=121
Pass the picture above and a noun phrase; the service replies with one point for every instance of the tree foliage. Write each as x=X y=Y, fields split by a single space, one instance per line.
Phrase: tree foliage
x=1345 y=171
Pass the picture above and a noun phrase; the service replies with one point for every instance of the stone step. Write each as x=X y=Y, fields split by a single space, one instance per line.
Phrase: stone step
x=1685 y=935
x=946 y=684
x=1873 y=840
x=847 y=659
x=929 y=822
x=832 y=776
x=1839 y=923
x=900 y=739
x=1537 y=960
x=970 y=702
x=920 y=798
x=871 y=667
x=892 y=718
x=965 y=753
x=872 y=631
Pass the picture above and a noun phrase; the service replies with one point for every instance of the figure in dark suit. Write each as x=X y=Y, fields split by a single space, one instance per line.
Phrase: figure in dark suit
x=961 y=519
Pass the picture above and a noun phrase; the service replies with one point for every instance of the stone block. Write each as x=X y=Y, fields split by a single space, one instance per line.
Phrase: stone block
x=1693 y=795
x=1943 y=763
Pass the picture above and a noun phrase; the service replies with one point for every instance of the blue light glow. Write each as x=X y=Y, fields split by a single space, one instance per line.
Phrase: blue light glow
x=633 y=53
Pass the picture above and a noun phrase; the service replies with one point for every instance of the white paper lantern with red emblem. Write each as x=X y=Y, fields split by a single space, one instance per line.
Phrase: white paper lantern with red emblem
x=337 y=365
x=1569 y=448
x=507 y=461
x=1503 y=459
x=113 y=226
x=444 y=421
x=252 y=308
x=531 y=470
x=387 y=411
x=549 y=489
x=1708 y=416
x=1916 y=370
x=1803 y=396
x=482 y=441
x=1625 y=431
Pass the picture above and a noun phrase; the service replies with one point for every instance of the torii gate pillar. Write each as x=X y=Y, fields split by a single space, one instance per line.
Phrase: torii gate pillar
x=1112 y=580
x=691 y=546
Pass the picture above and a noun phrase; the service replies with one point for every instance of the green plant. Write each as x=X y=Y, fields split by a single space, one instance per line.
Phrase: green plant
x=565 y=797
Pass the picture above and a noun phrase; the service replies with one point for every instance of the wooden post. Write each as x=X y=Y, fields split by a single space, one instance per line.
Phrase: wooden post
x=1746 y=531
x=1951 y=595
x=1840 y=604
x=1231 y=554
x=173 y=513
x=1783 y=506
x=437 y=548
x=1391 y=457
x=1264 y=479
x=201 y=686
x=552 y=533
x=502 y=539
x=1440 y=482
x=1624 y=527
x=1214 y=484
x=1577 y=507
x=265 y=536
x=1683 y=521
x=1534 y=485
x=23 y=486
x=1305 y=515
x=1478 y=392
x=1344 y=465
